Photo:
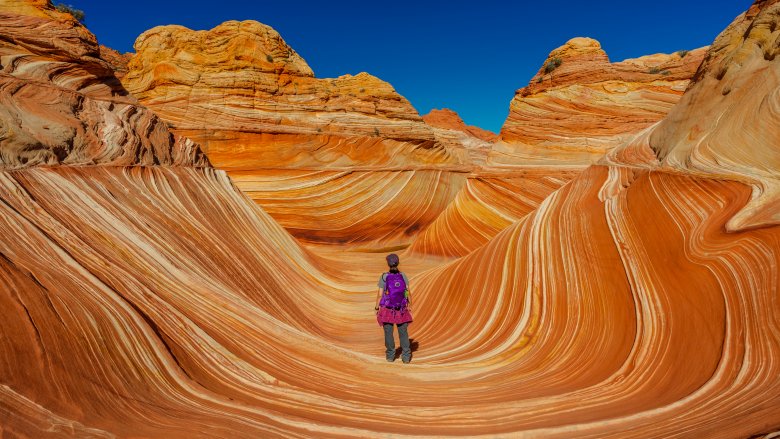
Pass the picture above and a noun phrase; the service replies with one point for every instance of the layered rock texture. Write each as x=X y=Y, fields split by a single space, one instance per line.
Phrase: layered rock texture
x=450 y=120
x=144 y=295
x=60 y=103
x=117 y=61
x=488 y=204
x=579 y=105
x=240 y=89
x=378 y=210
x=727 y=123
x=472 y=143
x=255 y=106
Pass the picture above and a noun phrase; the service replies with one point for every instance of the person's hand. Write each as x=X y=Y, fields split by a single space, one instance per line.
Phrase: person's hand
x=376 y=310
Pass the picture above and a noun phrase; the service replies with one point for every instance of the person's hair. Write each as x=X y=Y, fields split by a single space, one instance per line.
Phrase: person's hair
x=394 y=269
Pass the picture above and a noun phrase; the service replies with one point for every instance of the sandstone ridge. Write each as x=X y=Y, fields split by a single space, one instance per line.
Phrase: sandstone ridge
x=728 y=123
x=240 y=86
x=448 y=119
x=580 y=105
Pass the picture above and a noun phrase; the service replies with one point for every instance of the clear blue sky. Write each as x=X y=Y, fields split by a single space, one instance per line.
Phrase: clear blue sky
x=467 y=56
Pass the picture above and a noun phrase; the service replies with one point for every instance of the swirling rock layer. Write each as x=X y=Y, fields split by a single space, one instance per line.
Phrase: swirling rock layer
x=450 y=120
x=255 y=106
x=729 y=121
x=486 y=205
x=143 y=299
x=470 y=144
x=379 y=210
x=556 y=325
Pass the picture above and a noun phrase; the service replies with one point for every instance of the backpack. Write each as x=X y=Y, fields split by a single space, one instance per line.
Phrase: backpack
x=395 y=291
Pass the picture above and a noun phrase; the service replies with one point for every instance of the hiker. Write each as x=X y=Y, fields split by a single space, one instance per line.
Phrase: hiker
x=393 y=308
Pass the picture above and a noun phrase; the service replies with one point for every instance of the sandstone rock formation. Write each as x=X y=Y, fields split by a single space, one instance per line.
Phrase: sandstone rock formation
x=239 y=88
x=255 y=106
x=727 y=123
x=637 y=267
x=117 y=61
x=35 y=8
x=485 y=206
x=470 y=142
x=450 y=120
x=579 y=105
x=61 y=103
x=152 y=298
x=366 y=210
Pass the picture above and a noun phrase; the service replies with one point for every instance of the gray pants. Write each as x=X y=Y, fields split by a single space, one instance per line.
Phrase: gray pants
x=403 y=335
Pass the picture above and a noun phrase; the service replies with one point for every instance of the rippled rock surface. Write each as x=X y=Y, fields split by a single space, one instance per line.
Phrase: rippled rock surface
x=146 y=295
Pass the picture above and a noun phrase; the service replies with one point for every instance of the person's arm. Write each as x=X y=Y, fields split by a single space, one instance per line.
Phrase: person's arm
x=380 y=289
x=408 y=293
x=378 y=295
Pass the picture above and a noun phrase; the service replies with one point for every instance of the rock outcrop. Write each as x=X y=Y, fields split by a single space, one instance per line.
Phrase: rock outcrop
x=450 y=120
x=258 y=111
x=60 y=103
x=371 y=211
x=470 y=142
x=623 y=299
x=486 y=205
x=239 y=88
x=117 y=61
x=728 y=123
x=579 y=105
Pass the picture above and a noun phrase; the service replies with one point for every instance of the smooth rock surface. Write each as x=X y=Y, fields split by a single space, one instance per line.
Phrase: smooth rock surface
x=371 y=210
x=729 y=121
x=486 y=205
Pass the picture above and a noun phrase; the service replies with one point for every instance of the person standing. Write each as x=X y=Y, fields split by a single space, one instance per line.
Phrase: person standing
x=393 y=302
